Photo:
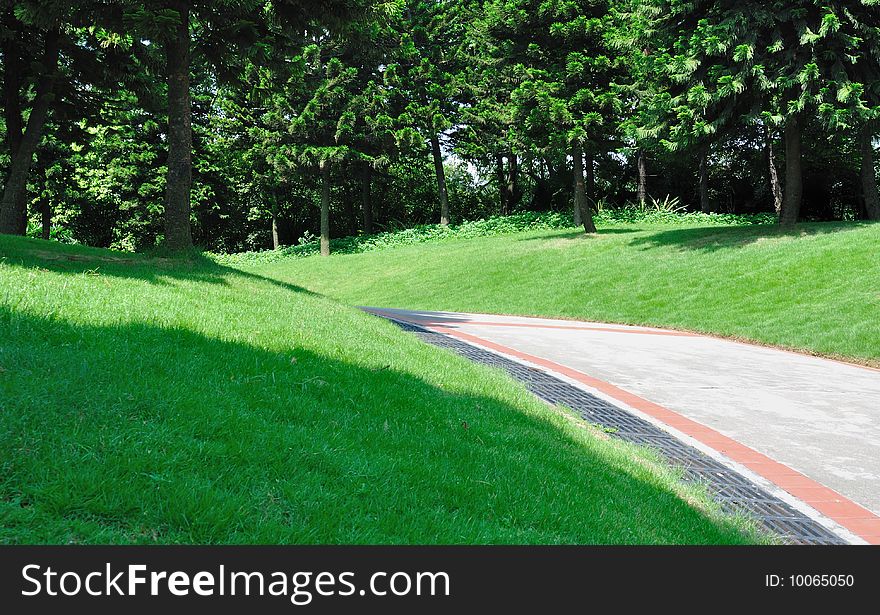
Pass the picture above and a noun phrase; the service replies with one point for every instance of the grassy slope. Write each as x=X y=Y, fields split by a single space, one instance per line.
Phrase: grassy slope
x=143 y=400
x=816 y=287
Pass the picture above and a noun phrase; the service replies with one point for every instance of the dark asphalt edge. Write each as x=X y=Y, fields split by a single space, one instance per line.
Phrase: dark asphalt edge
x=735 y=493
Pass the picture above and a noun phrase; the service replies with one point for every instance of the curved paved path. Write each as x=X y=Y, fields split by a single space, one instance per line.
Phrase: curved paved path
x=807 y=424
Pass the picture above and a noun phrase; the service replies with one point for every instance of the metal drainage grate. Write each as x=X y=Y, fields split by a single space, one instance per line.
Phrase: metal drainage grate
x=734 y=492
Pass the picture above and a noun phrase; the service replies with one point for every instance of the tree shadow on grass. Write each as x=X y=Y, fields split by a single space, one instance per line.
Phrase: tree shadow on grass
x=716 y=238
x=61 y=258
x=141 y=434
x=580 y=234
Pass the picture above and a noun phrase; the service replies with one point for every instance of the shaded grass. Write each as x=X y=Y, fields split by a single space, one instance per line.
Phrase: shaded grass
x=146 y=400
x=815 y=287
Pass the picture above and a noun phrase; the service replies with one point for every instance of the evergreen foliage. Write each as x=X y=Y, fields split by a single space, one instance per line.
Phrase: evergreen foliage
x=250 y=125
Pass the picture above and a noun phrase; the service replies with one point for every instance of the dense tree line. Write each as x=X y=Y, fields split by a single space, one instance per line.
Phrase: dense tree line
x=254 y=123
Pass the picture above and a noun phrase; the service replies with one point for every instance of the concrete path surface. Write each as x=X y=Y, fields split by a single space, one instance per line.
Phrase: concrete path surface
x=807 y=424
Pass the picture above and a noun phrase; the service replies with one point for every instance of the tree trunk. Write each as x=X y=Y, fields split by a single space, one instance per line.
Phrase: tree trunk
x=542 y=195
x=775 y=186
x=642 y=192
x=11 y=89
x=46 y=210
x=560 y=181
x=512 y=198
x=276 y=241
x=325 y=207
x=576 y=165
x=441 y=180
x=351 y=216
x=794 y=181
x=13 y=210
x=178 y=234
x=591 y=181
x=502 y=183
x=869 y=173
x=705 y=205
x=580 y=192
x=12 y=82
x=367 y=199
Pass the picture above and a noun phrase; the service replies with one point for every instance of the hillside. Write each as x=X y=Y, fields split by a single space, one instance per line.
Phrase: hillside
x=814 y=288
x=145 y=399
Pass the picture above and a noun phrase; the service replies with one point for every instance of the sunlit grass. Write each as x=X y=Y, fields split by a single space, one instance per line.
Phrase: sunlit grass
x=814 y=288
x=147 y=400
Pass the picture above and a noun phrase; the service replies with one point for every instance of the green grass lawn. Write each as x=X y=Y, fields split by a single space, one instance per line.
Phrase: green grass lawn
x=147 y=400
x=814 y=288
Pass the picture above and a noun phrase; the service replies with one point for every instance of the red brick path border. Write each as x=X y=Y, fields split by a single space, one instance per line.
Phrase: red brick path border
x=854 y=517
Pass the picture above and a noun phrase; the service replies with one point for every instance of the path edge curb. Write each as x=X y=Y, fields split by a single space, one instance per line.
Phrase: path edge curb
x=781 y=479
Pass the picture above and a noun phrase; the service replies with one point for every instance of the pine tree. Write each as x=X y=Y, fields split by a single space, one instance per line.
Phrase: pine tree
x=564 y=103
x=331 y=115
x=484 y=87
x=423 y=79
x=28 y=31
x=778 y=63
x=231 y=27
